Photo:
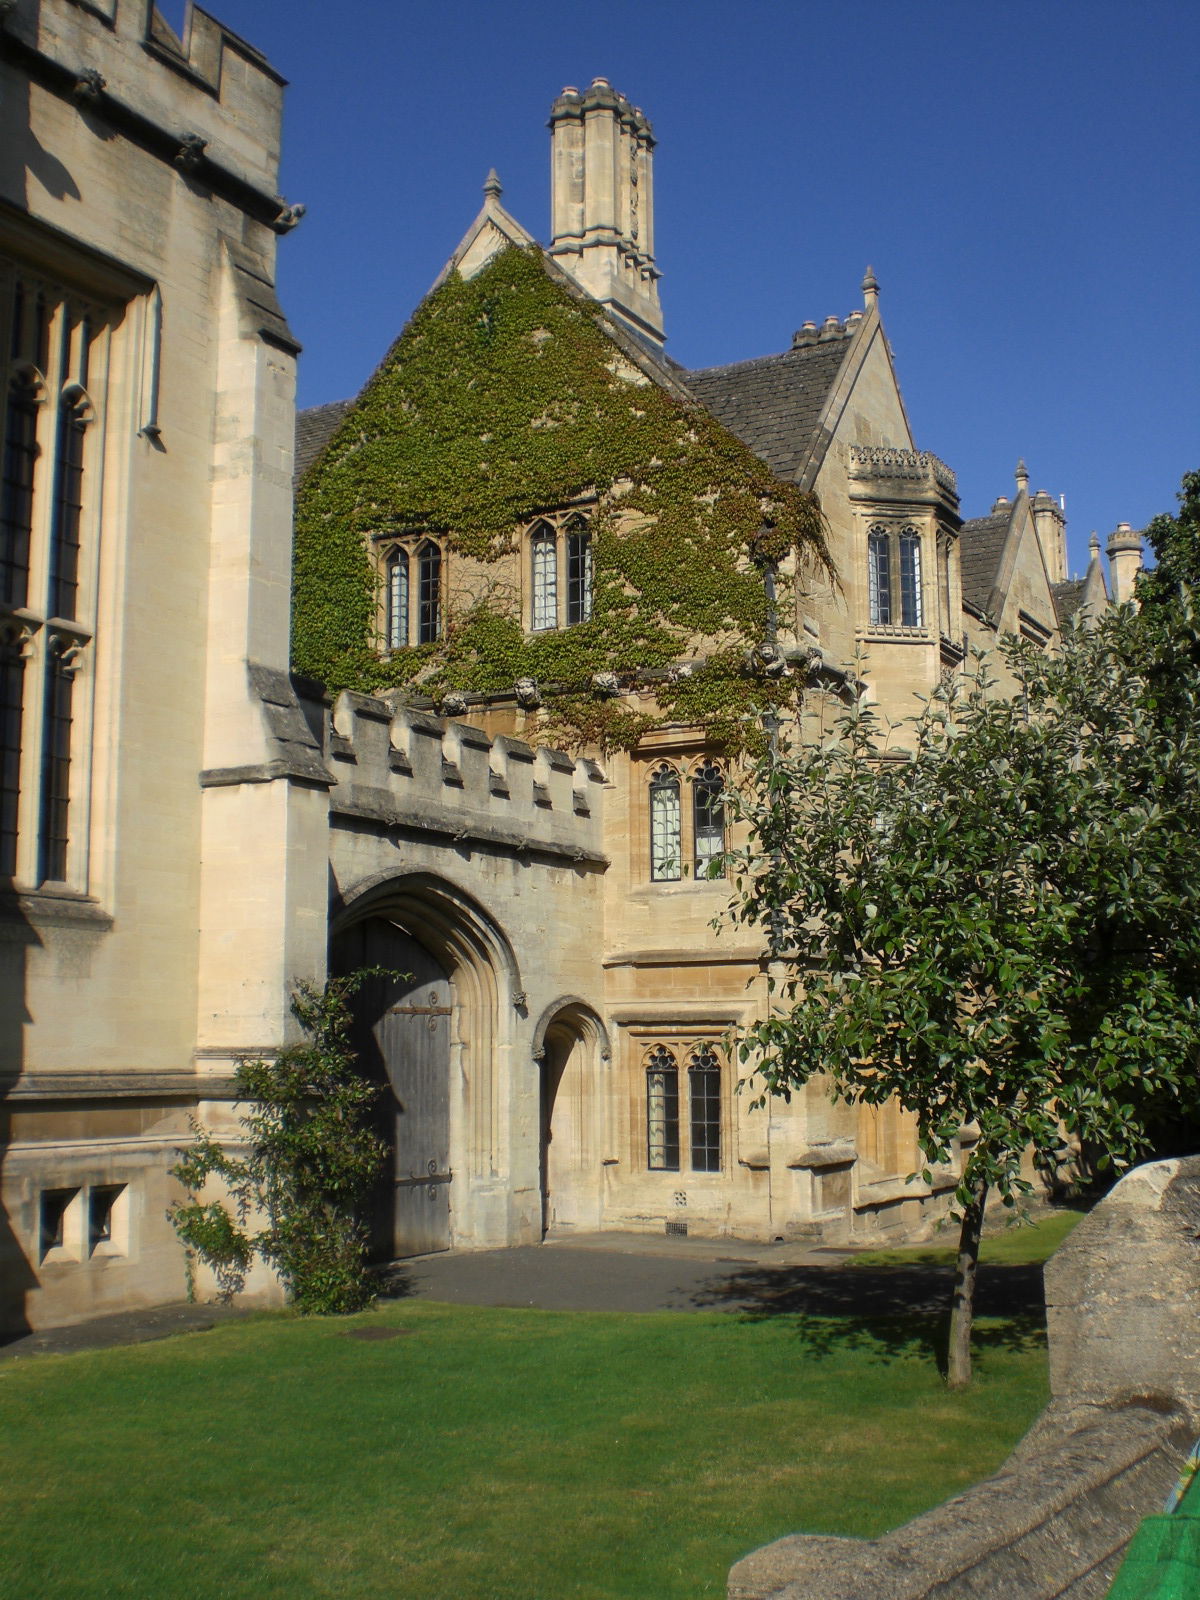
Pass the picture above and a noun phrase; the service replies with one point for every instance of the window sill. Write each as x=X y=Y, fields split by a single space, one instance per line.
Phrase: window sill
x=52 y=904
x=883 y=634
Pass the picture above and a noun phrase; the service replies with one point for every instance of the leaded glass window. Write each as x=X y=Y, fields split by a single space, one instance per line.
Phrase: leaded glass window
x=12 y=695
x=662 y=1110
x=53 y=832
x=429 y=592
x=397 y=600
x=68 y=508
x=579 y=572
x=47 y=507
x=708 y=816
x=543 y=558
x=879 y=577
x=16 y=489
x=704 y=1097
x=910 y=579
x=666 y=834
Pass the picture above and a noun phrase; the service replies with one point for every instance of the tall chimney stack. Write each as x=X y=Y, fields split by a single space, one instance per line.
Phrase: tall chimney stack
x=1124 y=552
x=1051 y=527
x=602 y=203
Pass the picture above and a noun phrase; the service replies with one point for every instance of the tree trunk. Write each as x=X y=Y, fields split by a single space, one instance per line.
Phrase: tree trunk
x=962 y=1306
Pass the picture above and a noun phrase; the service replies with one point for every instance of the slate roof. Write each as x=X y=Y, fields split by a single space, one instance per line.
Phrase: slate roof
x=773 y=403
x=980 y=546
x=314 y=429
x=1068 y=597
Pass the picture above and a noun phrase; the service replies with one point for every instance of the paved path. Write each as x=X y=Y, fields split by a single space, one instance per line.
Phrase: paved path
x=623 y=1272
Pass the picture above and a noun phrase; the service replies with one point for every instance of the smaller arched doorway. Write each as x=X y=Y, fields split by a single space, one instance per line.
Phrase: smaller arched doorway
x=572 y=1109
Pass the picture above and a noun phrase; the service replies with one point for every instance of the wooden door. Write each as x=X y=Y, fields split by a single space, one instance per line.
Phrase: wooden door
x=402 y=1033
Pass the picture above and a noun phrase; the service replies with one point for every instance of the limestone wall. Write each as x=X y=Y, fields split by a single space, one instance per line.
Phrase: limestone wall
x=139 y=178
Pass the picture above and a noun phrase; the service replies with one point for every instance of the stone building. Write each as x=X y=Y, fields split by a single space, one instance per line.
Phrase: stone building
x=189 y=827
x=148 y=415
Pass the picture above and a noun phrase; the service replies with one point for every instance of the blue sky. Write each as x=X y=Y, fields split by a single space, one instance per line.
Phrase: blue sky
x=1025 y=180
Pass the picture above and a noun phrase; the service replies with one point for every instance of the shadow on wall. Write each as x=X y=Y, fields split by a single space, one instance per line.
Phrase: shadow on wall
x=17 y=1273
x=28 y=171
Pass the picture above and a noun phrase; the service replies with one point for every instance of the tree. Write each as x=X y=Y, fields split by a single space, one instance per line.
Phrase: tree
x=309 y=1162
x=997 y=926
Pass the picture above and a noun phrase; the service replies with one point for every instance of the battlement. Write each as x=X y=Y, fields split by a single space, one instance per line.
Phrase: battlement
x=886 y=461
x=208 y=102
x=405 y=769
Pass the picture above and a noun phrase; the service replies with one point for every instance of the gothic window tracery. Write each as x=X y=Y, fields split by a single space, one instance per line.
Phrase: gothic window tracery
x=708 y=816
x=543 y=558
x=686 y=840
x=49 y=516
x=560 y=573
x=667 y=1121
x=894 y=579
x=412 y=594
x=666 y=825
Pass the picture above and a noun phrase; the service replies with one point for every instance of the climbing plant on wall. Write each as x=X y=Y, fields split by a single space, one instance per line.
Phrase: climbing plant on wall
x=505 y=398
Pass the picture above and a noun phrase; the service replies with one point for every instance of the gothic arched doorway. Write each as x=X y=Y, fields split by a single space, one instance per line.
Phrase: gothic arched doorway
x=402 y=1034
x=571 y=1121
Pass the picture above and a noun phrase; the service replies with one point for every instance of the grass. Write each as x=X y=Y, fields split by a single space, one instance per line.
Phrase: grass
x=487 y=1454
x=1021 y=1245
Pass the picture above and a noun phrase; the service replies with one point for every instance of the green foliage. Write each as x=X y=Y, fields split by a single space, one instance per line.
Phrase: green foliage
x=310 y=1160
x=1176 y=545
x=502 y=399
x=999 y=927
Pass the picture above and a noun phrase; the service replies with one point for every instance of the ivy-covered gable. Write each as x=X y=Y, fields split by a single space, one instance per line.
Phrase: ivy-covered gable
x=506 y=396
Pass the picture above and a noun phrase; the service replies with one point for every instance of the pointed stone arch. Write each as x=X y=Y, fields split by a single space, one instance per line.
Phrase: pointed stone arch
x=571 y=1046
x=486 y=1001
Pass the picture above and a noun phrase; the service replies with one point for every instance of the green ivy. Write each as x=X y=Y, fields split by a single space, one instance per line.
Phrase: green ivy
x=504 y=398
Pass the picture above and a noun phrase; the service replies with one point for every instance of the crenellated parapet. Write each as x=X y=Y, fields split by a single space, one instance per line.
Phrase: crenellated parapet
x=881 y=473
x=208 y=104
x=410 y=771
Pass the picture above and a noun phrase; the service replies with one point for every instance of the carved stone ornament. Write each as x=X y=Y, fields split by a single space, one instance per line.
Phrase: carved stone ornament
x=529 y=696
x=453 y=704
x=89 y=86
x=606 y=684
x=16 y=636
x=191 y=152
x=678 y=671
x=71 y=658
x=768 y=659
x=288 y=217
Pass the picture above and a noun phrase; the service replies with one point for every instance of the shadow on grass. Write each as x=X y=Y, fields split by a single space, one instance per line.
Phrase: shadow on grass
x=890 y=1312
x=393 y=1281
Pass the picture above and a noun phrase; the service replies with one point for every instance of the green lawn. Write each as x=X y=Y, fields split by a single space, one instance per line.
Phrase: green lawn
x=484 y=1454
x=1020 y=1245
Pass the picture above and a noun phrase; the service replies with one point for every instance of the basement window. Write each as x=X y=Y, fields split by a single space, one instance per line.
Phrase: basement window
x=59 y=1216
